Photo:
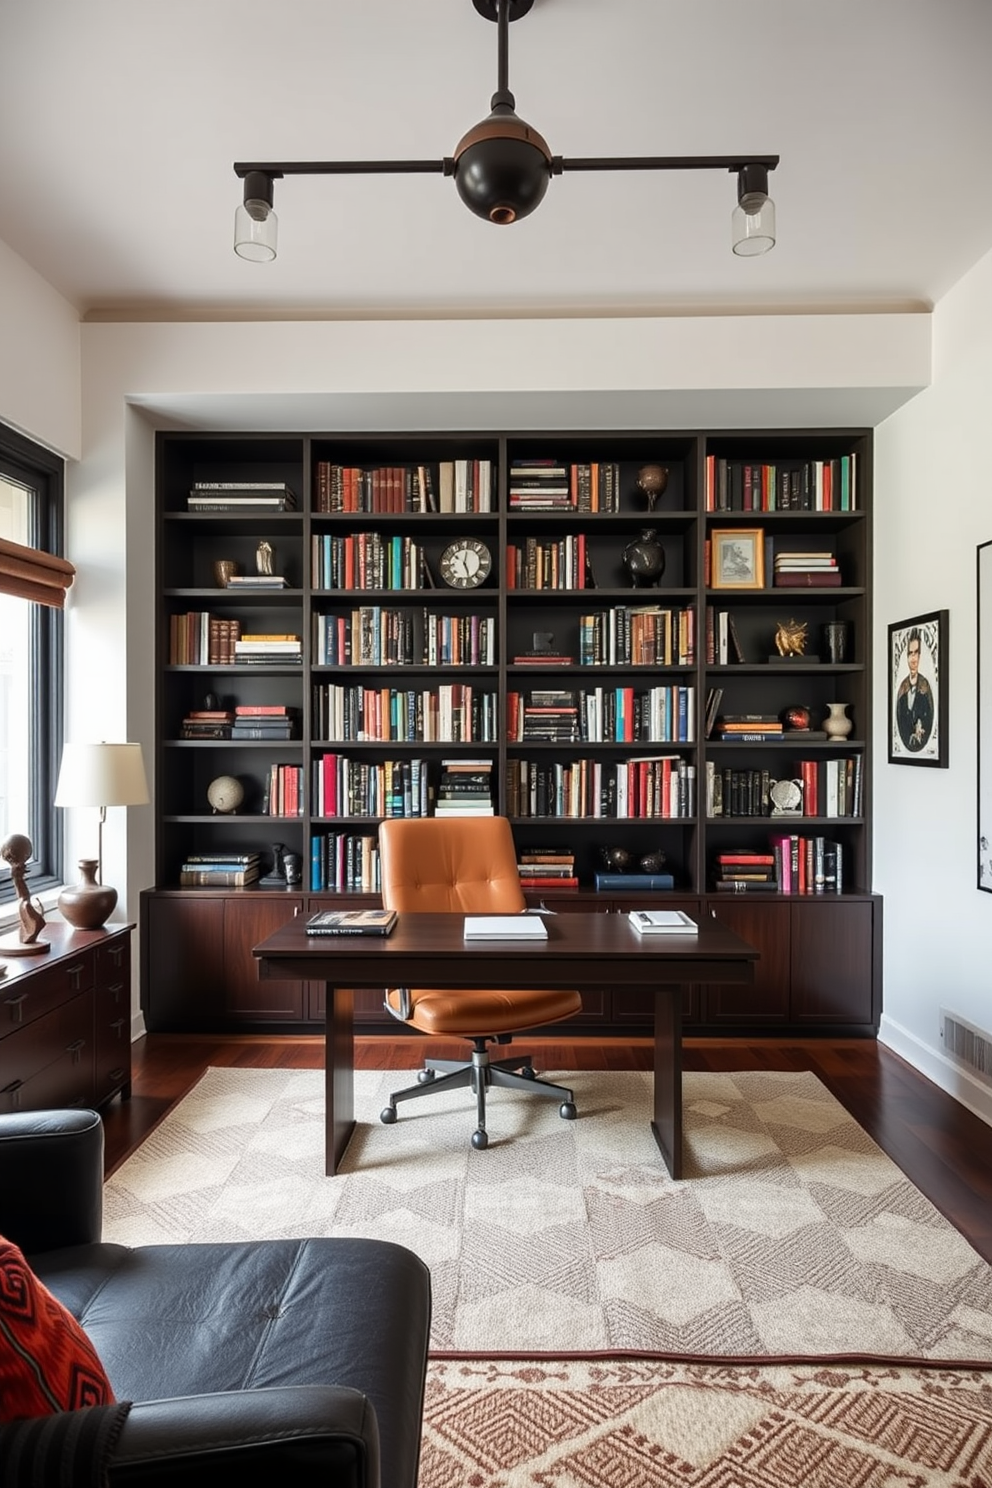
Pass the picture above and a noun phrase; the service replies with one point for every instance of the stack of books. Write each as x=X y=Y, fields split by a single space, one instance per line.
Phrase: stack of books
x=811 y=570
x=251 y=583
x=744 y=871
x=749 y=728
x=465 y=788
x=268 y=650
x=207 y=723
x=539 y=485
x=263 y=721
x=547 y=868
x=550 y=716
x=240 y=496
x=220 y=870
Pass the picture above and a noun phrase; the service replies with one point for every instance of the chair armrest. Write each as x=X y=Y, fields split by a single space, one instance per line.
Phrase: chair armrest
x=299 y=1434
x=51 y=1178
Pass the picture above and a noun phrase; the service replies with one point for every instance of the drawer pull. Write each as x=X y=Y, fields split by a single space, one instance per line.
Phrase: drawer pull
x=115 y=953
x=16 y=1005
x=75 y=1049
x=117 y=1076
x=118 y=1026
x=74 y=974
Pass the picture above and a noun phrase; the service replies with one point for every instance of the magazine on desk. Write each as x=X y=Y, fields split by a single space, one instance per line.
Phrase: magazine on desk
x=662 y=922
x=351 y=922
x=505 y=927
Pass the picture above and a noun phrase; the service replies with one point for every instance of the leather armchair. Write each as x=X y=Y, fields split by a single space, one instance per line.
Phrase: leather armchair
x=297 y=1361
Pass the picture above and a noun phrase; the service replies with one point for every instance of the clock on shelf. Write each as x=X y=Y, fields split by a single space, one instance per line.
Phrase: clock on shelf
x=465 y=563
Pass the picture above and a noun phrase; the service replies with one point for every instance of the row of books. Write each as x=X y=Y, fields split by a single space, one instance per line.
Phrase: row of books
x=343 y=787
x=829 y=788
x=461 y=485
x=344 y=862
x=376 y=636
x=723 y=644
x=550 y=484
x=638 y=635
x=793 y=864
x=659 y=786
x=746 y=728
x=244 y=721
x=465 y=788
x=603 y=715
x=540 y=563
x=547 y=868
x=754 y=486
x=368 y=560
x=241 y=496
x=283 y=791
x=449 y=713
x=198 y=638
x=814 y=568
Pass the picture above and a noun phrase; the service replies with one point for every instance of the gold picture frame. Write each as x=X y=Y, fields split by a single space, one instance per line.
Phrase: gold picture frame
x=737 y=558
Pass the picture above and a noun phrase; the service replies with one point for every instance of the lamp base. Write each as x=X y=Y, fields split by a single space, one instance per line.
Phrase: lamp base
x=87 y=905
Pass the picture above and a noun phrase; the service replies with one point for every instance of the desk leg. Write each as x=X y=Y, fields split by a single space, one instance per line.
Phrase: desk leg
x=667 y=1123
x=339 y=1075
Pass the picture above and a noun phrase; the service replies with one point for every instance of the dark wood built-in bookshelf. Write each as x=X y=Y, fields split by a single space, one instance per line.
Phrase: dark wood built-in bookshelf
x=644 y=719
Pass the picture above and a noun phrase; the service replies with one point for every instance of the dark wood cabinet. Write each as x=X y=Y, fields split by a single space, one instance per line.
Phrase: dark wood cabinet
x=389 y=642
x=65 y=1021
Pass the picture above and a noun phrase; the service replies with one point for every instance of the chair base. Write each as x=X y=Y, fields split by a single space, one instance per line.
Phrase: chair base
x=482 y=1073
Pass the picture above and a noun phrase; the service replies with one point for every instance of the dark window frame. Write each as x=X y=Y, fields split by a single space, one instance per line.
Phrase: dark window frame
x=30 y=464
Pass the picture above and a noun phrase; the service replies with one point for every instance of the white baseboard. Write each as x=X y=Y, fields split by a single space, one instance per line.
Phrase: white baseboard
x=937 y=1067
x=138 y=1029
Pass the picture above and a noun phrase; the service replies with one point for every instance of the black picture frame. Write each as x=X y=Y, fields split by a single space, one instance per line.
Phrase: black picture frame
x=918 y=717
x=983 y=614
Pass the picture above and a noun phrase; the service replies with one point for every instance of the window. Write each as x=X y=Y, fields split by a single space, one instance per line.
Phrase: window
x=31 y=671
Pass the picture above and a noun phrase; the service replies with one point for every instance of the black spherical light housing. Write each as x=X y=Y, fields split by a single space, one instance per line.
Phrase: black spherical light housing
x=502 y=168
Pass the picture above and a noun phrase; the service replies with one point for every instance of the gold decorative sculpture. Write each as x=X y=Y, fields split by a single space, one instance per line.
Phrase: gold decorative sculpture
x=790 y=638
x=16 y=850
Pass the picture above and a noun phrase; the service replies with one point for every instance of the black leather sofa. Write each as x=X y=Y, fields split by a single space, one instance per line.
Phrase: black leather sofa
x=276 y=1361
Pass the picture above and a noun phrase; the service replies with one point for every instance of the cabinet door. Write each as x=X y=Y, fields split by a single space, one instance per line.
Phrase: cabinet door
x=183 y=954
x=247 y=921
x=50 y=1062
x=766 y=1002
x=112 y=1019
x=832 y=956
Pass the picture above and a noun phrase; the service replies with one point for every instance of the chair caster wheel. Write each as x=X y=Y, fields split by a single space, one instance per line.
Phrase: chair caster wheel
x=567 y=1111
x=387 y=1115
x=480 y=1140
x=527 y=1071
x=425 y=1076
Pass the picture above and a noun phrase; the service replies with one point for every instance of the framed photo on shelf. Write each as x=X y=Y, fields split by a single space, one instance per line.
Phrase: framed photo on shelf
x=985 y=717
x=737 y=558
x=918 y=690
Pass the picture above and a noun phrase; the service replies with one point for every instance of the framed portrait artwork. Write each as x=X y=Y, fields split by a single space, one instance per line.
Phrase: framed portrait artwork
x=918 y=690
x=985 y=717
x=737 y=558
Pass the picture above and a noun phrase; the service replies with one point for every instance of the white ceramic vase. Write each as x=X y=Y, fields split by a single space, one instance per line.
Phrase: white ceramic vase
x=837 y=725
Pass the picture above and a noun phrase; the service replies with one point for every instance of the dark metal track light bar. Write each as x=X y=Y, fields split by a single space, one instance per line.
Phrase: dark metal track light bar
x=502 y=168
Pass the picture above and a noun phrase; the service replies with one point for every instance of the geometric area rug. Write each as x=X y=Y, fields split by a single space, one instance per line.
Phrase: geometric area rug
x=793 y=1237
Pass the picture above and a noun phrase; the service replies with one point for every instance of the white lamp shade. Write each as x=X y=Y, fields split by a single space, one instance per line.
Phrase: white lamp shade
x=102 y=775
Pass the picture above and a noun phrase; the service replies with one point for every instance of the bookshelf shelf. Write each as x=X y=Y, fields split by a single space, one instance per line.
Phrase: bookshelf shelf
x=407 y=476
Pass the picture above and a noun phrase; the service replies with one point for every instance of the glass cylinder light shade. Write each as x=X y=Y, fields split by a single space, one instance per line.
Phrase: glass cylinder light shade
x=753 y=225
x=256 y=230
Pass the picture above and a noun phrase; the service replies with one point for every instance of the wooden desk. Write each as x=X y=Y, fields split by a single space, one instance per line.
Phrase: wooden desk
x=582 y=951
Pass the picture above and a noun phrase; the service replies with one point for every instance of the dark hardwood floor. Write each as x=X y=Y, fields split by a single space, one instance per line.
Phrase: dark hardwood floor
x=940 y=1146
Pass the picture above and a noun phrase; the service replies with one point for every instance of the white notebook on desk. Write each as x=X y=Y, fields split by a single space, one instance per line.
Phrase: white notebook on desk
x=662 y=922
x=505 y=927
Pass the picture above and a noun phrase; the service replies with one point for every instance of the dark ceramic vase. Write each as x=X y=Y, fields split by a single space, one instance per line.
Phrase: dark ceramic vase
x=644 y=559
x=88 y=904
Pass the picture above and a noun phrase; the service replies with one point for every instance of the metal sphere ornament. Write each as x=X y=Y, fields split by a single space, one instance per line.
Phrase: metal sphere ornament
x=653 y=481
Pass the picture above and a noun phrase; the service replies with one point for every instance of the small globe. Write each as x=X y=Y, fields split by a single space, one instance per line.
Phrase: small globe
x=225 y=794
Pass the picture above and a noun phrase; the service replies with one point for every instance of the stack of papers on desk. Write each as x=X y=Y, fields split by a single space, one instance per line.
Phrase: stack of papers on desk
x=505 y=927
x=662 y=922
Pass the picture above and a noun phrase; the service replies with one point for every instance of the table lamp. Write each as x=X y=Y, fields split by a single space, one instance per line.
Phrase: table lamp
x=97 y=775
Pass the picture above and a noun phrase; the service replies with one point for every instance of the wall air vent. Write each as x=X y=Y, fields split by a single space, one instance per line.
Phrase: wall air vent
x=968 y=1046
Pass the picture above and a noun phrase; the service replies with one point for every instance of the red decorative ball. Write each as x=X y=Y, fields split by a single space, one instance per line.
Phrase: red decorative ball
x=796 y=718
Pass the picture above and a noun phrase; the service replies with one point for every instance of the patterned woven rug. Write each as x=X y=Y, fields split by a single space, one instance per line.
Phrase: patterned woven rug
x=793 y=1235
x=632 y=1423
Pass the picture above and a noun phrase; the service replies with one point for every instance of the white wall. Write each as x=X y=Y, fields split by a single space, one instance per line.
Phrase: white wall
x=933 y=508
x=39 y=358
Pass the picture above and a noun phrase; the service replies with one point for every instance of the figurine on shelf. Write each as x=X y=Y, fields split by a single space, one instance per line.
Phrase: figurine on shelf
x=652 y=862
x=644 y=559
x=263 y=557
x=276 y=876
x=616 y=859
x=294 y=870
x=16 y=850
x=652 y=480
x=790 y=638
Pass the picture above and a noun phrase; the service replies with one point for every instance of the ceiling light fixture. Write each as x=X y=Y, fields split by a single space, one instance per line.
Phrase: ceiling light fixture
x=502 y=168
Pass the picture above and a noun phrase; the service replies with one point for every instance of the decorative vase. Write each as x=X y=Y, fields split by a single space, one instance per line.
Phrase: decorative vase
x=89 y=904
x=837 y=725
x=644 y=559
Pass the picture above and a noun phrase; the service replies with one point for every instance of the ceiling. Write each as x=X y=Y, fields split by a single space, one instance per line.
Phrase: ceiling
x=120 y=120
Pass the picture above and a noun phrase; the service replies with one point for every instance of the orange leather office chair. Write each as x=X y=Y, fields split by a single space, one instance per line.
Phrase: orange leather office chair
x=467 y=865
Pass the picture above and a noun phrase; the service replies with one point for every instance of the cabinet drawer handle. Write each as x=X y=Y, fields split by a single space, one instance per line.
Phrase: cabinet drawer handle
x=74 y=974
x=117 y=1076
x=115 y=953
x=118 y=1026
x=75 y=1049
x=115 y=990
x=13 y=1091
x=16 y=1005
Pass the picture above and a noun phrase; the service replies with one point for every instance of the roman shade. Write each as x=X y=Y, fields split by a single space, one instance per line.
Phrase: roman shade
x=30 y=573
